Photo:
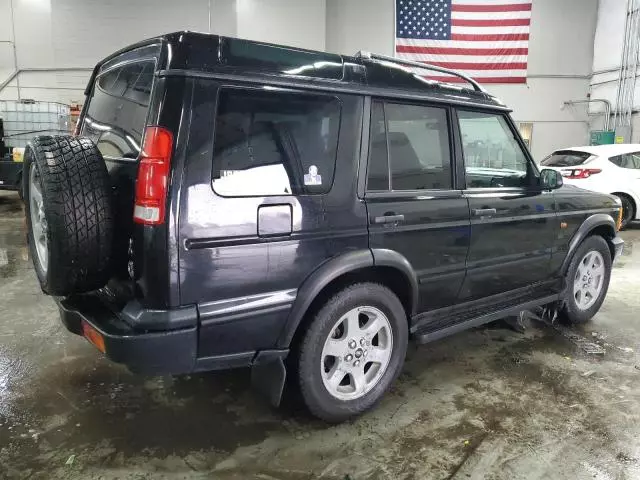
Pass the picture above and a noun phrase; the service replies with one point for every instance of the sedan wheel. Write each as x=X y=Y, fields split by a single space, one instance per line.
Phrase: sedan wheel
x=627 y=210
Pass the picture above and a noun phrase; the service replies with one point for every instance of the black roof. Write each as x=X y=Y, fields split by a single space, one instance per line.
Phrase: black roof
x=190 y=53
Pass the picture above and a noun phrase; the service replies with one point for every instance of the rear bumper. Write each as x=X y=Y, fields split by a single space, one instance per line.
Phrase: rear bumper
x=158 y=352
x=10 y=174
x=172 y=349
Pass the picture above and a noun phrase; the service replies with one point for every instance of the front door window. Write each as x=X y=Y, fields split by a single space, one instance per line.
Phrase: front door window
x=492 y=155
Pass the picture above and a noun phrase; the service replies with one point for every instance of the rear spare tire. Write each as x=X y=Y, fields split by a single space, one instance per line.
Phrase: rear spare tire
x=69 y=213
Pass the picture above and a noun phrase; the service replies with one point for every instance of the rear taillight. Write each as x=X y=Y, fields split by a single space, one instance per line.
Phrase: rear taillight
x=153 y=176
x=576 y=173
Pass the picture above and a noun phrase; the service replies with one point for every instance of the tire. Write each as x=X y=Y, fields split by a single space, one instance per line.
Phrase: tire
x=573 y=310
x=628 y=209
x=74 y=221
x=376 y=304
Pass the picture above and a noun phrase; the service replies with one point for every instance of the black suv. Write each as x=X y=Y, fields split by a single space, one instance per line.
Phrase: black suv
x=230 y=203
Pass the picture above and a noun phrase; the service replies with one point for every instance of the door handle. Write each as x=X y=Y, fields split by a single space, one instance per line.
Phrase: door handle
x=389 y=219
x=484 y=212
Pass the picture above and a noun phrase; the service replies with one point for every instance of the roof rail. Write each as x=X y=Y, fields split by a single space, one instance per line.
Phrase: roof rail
x=375 y=56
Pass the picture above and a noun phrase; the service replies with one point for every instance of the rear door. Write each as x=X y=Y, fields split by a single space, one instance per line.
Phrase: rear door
x=114 y=117
x=513 y=221
x=412 y=205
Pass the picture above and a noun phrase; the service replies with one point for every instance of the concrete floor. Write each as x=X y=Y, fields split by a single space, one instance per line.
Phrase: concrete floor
x=489 y=403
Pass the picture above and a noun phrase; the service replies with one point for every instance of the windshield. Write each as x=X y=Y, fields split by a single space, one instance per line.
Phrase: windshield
x=565 y=158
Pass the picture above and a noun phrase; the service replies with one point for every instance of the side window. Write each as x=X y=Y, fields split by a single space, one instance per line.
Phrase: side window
x=627 y=160
x=117 y=111
x=618 y=160
x=269 y=143
x=415 y=140
x=493 y=158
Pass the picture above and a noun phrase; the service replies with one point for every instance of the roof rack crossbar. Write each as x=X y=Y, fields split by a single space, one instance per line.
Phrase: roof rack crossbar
x=375 y=56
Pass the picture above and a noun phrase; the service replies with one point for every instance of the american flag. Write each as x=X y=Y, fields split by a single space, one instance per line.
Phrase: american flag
x=486 y=39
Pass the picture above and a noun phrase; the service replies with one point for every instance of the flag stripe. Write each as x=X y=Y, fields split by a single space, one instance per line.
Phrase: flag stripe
x=414 y=42
x=491 y=2
x=497 y=37
x=479 y=75
x=489 y=30
x=493 y=16
x=508 y=22
x=522 y=79
x=482 y=66
x=460 y=51
x=432 y=59
x=522 y=7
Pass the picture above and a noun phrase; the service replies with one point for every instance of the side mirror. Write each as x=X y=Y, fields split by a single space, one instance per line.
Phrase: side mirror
x=550 y=179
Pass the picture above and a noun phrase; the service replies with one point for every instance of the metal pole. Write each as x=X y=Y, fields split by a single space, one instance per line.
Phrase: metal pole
x=15 y=52
x=16 y=73
x=607 y=108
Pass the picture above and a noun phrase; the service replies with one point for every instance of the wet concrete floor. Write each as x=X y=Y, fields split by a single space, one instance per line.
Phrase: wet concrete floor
x=485 y=404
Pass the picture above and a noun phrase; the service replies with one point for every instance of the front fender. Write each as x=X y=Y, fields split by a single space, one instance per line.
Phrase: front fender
x=594 y=221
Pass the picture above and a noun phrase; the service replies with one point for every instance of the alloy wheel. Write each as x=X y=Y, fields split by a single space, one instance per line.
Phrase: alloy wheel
x=589 y=280
x=356 y=353
x=38 y=220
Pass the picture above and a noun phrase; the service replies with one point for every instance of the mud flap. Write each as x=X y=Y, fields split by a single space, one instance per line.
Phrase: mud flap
x=268 y=375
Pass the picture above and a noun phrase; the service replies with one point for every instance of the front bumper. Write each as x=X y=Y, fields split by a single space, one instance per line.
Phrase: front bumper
x=148 y=352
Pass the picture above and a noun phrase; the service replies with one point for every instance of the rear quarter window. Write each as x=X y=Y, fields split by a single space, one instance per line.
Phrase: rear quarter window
x=565 y=158
x=274 y=143
x=117 y=110
x=627 y=160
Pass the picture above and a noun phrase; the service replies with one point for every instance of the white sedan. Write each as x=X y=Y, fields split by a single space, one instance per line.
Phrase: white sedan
x=611 y=169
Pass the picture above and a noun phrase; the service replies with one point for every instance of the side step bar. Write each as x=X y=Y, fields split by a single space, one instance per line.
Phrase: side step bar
x=426 y=335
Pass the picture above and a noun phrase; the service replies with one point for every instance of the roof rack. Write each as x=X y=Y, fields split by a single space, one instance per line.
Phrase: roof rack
x=426 y=66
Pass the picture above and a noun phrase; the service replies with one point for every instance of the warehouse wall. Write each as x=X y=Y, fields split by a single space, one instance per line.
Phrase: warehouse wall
x=560 y=58
x=64 y=34
x=606 y=60
x=299 y=23
x=6 y=39
x=74 y=34
x=348 y=32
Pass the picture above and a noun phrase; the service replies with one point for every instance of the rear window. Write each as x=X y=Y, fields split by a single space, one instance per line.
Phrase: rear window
x=117 y=111
x=565 y=158
x=274 y=143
